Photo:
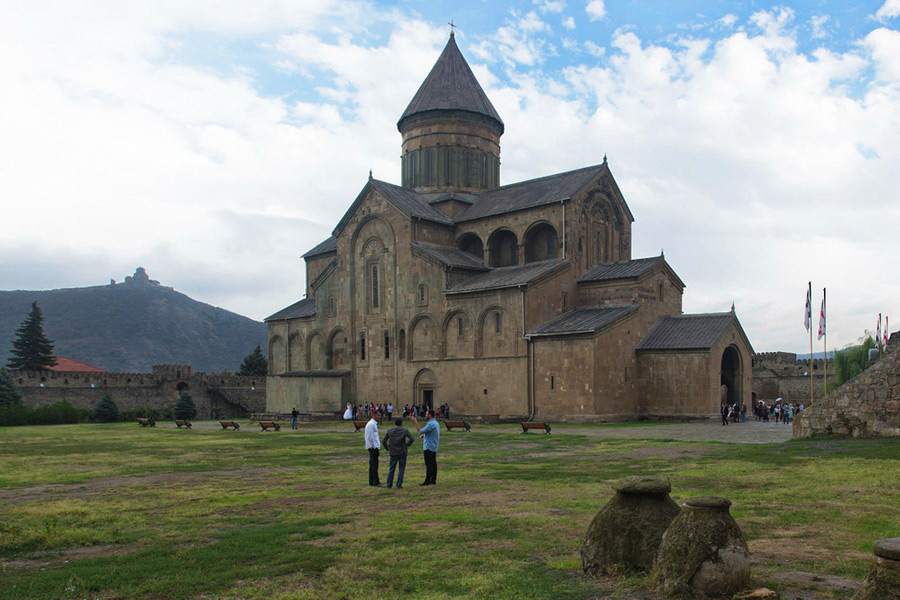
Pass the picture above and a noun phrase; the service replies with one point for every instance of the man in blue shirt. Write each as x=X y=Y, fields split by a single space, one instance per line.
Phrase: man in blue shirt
x=431 y=437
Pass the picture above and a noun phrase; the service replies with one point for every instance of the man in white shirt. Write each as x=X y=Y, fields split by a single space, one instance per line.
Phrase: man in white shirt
x=373 y=445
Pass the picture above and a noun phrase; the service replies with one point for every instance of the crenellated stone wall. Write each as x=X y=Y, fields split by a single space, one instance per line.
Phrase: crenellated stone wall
x=866 y=406
x=782 y=375
x=225 y=396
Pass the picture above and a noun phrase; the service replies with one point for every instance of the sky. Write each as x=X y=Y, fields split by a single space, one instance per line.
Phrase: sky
x=213 y=142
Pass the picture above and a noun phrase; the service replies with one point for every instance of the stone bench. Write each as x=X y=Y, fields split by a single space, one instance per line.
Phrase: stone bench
x=267 y=425
x=458 y=424
x=182 y=423
x=526 y=425
x=226 y=424
x=147 y=422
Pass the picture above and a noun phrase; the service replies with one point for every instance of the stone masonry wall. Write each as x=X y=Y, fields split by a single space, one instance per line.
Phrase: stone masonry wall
x=781 y=375
x=214 y=395
x=866 y=406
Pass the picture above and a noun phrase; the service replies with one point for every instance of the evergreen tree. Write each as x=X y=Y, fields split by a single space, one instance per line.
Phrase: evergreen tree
x=31 y=349
x=106 y=410
x=255 y=364
x=185 y=407
x=9 y=393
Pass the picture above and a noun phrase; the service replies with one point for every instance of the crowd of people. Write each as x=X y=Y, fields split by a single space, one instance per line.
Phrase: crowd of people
x=386 y=411
x=778 y=411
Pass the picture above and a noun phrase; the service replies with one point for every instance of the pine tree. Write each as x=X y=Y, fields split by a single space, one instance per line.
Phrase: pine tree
x=255 y=364
x=31 y=349
x=185 y=407
x=106 y=410
x=9 y=393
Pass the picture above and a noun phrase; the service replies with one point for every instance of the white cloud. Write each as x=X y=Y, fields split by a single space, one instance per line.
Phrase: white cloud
x=517 y=43
x=569 y=23
x=727 y=21
x=818 y=25
x=550 y=6
x=888 y=10
x=596 y=10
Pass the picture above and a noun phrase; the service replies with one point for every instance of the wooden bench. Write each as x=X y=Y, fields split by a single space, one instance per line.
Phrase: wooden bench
x=226 y=424
x=181 y=423
x=267 y=425
x=359 y=425
x=526 y=425
x=451 y=424
x=147 y=422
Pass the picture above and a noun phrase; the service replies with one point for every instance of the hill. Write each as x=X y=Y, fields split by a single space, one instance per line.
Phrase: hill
x=130 y=326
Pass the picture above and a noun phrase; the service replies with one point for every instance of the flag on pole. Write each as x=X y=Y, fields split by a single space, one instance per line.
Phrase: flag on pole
x=807 y=312
x=822 y=320
x=878 y=332
x=885 y=338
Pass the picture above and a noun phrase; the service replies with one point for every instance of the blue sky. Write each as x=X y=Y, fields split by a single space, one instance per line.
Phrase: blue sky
x=214 y=142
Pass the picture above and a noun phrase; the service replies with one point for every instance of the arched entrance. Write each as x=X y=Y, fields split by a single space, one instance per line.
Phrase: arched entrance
x=424 y=388
x=731 y=376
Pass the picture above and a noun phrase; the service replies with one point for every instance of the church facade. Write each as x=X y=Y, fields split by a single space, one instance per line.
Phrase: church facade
x=512 y=301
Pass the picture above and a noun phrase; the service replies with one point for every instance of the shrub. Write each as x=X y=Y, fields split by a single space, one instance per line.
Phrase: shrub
x=851 y=362
x=185 y=407
x=53 y=414
x=106 y=410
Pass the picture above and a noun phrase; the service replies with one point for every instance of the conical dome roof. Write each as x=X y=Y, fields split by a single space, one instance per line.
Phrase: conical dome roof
x=451 y=86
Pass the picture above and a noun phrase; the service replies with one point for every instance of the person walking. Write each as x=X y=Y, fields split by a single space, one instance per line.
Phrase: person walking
x=373 y=445
x=431 y=438
x=724 y=410
x=294 y=415
x=397 y=440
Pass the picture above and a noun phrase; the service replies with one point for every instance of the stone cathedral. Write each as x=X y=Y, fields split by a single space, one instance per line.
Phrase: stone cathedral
x=503 y=301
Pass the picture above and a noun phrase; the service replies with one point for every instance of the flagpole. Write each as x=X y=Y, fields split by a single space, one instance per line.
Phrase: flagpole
x=825 y=343
x=812 y=392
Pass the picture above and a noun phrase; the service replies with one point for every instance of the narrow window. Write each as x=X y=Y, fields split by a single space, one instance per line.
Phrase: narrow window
x=401 y=343
x=660 y=292
x=422 y=294
x=496 y=322
x=598 y=248
x=387 y=345
x=374 y=286
x=332 y=305
x=362 y=346
x=565 y=300
x=552 y=382
x=459 y=323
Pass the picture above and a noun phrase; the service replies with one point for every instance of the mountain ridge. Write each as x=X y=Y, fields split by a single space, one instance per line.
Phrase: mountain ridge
x=131 y=326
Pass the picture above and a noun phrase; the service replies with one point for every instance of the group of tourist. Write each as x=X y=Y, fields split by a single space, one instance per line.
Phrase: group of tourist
x=397 y=441
x=777 y=411
x=362 y=411
x=733 y=413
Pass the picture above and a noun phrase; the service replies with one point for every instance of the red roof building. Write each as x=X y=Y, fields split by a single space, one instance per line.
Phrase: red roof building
x=69 y=365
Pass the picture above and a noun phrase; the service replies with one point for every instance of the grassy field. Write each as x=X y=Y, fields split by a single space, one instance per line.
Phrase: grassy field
x=120 y=511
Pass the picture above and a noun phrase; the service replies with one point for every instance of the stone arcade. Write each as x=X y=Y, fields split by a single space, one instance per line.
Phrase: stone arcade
x=503 y=301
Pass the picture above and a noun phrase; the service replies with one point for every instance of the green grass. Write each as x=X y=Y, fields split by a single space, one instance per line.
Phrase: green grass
x=118 y=511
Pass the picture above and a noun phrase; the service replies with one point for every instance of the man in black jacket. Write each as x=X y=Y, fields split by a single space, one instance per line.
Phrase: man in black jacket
x=397 y=440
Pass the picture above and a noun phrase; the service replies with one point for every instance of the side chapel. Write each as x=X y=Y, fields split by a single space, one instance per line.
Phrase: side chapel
x=503 y=301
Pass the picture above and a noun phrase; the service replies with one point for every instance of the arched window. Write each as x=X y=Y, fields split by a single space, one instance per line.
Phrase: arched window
x=362 y=346
x=497 y=322
x=504 y=248
x=332 y=306
x=423 y=295
x=387 y=345
x=540 y=243
x=471 y=244
x=375 y=286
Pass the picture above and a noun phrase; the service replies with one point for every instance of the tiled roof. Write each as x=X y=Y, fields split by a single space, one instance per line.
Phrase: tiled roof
x=451 y=85
x=297 y=310
x=583 y=320
x=410 y=202
x=626 y=269
x=503 y=277
x=74 y=366
x=329 y=373
x=329 y=245
x=527 y=194
x=687 y=332
x=451 y=257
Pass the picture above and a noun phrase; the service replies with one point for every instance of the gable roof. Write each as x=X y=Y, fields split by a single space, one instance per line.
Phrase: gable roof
x=407 y=201
x=626 y=269
x=326 y=247
x=530 y=193
x=451 y=257
x=297 y=310
x=505 y=277
x=451 y=85
x=582 y=320
x=74 y=366
x=689 y=332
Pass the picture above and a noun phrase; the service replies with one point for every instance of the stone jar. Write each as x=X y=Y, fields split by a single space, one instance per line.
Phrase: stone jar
x=883 y=580
x=703 y=552
x=627 y=531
